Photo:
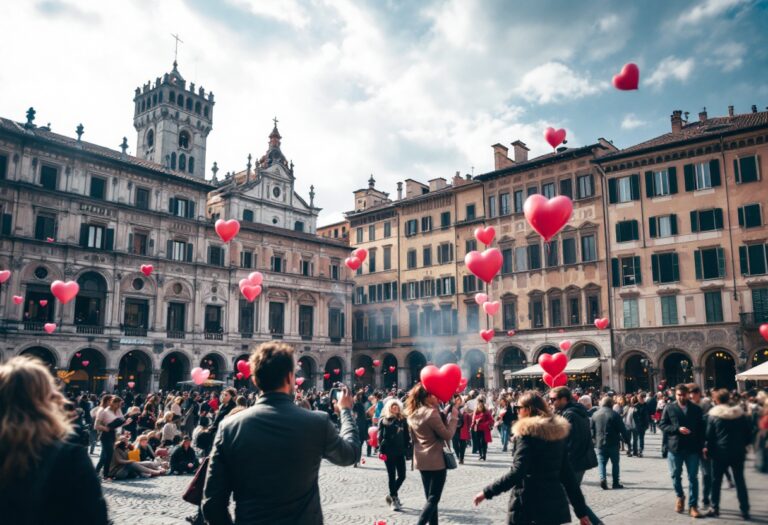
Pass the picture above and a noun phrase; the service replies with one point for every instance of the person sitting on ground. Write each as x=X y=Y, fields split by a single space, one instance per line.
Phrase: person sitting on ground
x=170 y=430
x=123 y=468
x=183 y=458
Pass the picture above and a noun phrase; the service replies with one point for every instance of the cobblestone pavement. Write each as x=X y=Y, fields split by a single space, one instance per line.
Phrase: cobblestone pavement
x=356 y=496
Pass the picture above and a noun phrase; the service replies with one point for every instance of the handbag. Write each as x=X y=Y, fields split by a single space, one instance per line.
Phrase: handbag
x=449 y=457
x=194 y=492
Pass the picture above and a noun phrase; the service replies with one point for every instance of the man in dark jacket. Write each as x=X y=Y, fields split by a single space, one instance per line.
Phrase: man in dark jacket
x=607 y=431
x=683 y=425
x=641 y=419
x=651 y=403
x=183 y=458
x=729 y=432
x=581 y=450
x=269 y=455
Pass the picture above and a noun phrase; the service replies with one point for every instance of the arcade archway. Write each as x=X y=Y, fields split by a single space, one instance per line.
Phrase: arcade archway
x=474 y=369
x=636 y=374
x=678 y=368
x=89 y=367
x=43 y=354
x=334 y=372
x=719 y=370
x=174 y=368
x=307 y=371
x=214 y=363
x=510 y=360
x=135 y=367
x=366 y=363
x=416 y=361
x=389 y=371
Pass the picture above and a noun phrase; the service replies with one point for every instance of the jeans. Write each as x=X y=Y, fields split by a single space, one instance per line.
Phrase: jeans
x=433 y=481
x=721 y=467
x=504 y=433
x=691 y=462
x=395 y=467
x=579 y=475
x=482 y=446
x=638 y=438
x=460 y=446
x=107 y=450
x=603 y=455
x=705 y=465
x=475 y=441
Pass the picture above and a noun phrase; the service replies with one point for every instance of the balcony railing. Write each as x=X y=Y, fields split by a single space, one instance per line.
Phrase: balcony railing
x=90 y=329
x=33 y=326
x=132 y=331
x=752 y=320
x=174 y=334
x=214 y=336
x=246 y=335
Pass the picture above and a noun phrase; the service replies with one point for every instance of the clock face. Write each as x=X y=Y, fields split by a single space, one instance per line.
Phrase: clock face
x=276 y=192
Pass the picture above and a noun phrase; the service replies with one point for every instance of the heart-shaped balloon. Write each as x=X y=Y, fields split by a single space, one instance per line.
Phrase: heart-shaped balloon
x=484 y=265
x=510 y=333
x=481 y=298
x=200 y=375
x=17 y=299
x=555 y=137
x=441 y=382
x=553 y=381
x=602 y=323
x=565 y=345
x=78 y=355
x=49 y=327
x=240 y=375
x=43 y=302
x=628 y=79
x=360 y=253
x=226 y=230
x=491 y=307
x=553 y=364
x=547 y=216
x=485 y=235
x=131 y=384
x=300 y=381
x=255 y=278
x=4 y=276
x=243 y=367
x=376 y=362
x=337 y=371
x=326 y=376
x=373 y=436
x=392 y=369
x=86 y=362
x=383 y=457
x=64 y=291
x=462 y=385
x=764 y=330
x=487 y=335
x=146 y=269
x=353 y=263
x=360 y=372
x=49 y=239
x=251 y=292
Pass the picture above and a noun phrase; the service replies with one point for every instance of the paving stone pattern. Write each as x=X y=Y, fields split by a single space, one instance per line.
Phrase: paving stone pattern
x=356 y=495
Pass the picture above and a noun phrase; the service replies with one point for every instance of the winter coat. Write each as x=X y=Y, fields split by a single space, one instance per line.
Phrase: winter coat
x=608 y=428
x=673 y=418
x=541 y=478
x=394 y=438
x=465 y=432
x=581 y=451
x=729 y=432
x=181 y=457
x=429 y=433
x=641 y=417
x=483 y=423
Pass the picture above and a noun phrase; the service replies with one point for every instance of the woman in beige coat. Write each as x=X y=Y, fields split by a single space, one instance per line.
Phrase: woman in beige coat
x=429 y=431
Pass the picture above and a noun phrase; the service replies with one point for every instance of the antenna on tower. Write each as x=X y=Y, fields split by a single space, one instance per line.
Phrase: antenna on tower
x=176 y=48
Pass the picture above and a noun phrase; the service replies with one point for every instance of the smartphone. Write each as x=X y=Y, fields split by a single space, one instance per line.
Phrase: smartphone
x=335 y=394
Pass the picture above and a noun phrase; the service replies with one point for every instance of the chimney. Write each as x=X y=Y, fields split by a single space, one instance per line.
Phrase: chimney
x=677 y=122
x=754 y=108
x=730 y=111
x=500 y=157
x=521 y=151
x=703 y=115
x=437 y=184
x=457 y=180
x=399 y=191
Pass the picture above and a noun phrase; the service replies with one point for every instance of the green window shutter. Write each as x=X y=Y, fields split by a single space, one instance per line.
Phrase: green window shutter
x=672 y=180
x=649 y=184
x=172 y=205
x=635 y=186
x=7 y=223
x=673 y=224
x=109 y=239
x=635 y=231
x=741 y=216
x=675 y=268
x=403 y=291
x=714 y=171
x=652 y=227
x=84 y=235
x=721 y=262
x=190 y=209
x=618 y=232
x=655 y=267
x=169 y=249
x=743 y=260
x=736 y=173
x=719 y=218
x=690 y=177
x=615 y=277
x=130 y=243
x=190 y=249
x=694 y=221
x=638 y=272
x=613 y=193
x=697 y=263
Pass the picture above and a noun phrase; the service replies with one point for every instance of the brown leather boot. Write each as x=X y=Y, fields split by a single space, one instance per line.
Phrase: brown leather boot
x=680 y=505
x=694 y=512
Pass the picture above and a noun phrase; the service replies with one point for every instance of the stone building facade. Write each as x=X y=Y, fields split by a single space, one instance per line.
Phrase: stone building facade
x=78 y=211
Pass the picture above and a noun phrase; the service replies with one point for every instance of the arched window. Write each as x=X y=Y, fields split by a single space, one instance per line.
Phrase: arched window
x=189 y=104
x=172 y=97
x=180 y=101
x=150 y=138
x=160 y=97
x=182 y=162
x=197 y=107
x=154 y=99
x=205 y=111
x=191 y=164
x=143 y=105
x=173 y=160
x=184 y=139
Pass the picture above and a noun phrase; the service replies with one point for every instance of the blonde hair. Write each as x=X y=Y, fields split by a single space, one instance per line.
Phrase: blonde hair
x=417 y=398
x=32 y=416
x=387 y=410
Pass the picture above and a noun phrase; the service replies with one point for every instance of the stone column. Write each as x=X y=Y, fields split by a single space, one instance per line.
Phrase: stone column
x=698 y=375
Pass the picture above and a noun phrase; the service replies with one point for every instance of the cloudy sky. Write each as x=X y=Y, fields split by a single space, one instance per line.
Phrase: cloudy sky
x=396 y=88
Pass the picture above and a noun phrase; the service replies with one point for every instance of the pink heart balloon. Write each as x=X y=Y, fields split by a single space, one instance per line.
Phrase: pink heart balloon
x=17 y=299
x=376 y=362
x=43 y=302
x=200 y=375
x=360 y=372
x=565 y=345
x=146 y=269
x=86 y=362
x=373 y=436
x=337 y=371
x=131 y=384
x=78 y=354
x=49 y=327
x=255 y=278
x=226 y=230
x=510 y=333
x=547 y=216
x=764 y=331
x=485 y=235
x=243 y=367
x=4 y=276
x=491 y=307
x=487 y=335
x=554 y=137
x=441 y=382
x=602 y=323
x=300 y=381
x=49 y=239
x=251 y=292
x=353 y=263
x=240 y=375
x=558 y=380
x=553 y=364
x=392 y=369
x=628 y=79
x=481 y=298
x=484 y=265
x=360 y=253
x=64 y=291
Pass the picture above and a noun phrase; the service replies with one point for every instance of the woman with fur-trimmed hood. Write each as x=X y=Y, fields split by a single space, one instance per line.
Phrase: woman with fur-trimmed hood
x=541 y=478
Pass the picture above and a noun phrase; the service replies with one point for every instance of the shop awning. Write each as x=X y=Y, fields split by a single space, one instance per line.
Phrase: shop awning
x=758 y=373
x=581 y=365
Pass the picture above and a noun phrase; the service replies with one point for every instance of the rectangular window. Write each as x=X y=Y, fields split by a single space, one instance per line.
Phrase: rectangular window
x=413 y=322
x=506 y=266
x=179 y=251
x=707 y=220
x=139 y=243
x=426 y=256
x=335 y=271
x=359 y=297
x=387 y=229
x=750 y=216
x=335 y=324
x=98 y=188
x=532 y=190
x=3 y=167
x=521 y=259
x=574 y=311
x=662 y=226
x=216 y=255
x=519 y=201
x=569 y=250
x=246 y=259
x=95 y=236
x=426 y=224
x=509 y=314
x=359 y=235
x=555 y=312
x=473 y=317
x=445 y=219
x=276 y=318
x=668 y=309
x=175 y=317
x=276 y=263
x=703 y=176
x=411 y=227
x=534 y=256
x=45 y=226
x=411 y=259
x=753 y=259
x=630 y=271
x=445 y=253
x=537 y=313
x=709 y=263
x=746 y=169
x=713 y=303
x=142 y=198
x=49 y=177
x=446 y=286
x=631 y=314
x=550 y=253
x=246 y=317
x=471 y=284
x=492 y=206
x=306 y=266
x=306 y=320
x=665 y=268
x=372 y=232
x=548 y=190
x=470 y=212
x=248 y=217
x=387 y=257
x=588 y=248
x=471 y=245
x=212 y=319
x=624 y=189
x=585 y=186
x=566 y=188
x=627 y=231
x=660 y=184
x=593 y=308
x=760 y=304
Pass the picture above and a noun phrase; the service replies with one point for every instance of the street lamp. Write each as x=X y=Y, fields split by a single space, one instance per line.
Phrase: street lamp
x=648 y=365
x=685 y=365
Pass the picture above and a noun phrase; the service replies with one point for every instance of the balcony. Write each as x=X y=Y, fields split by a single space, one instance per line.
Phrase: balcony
x=336 y=340
x=246 y=335
x=174 y=334
x=132 y=331
x=90 y=329
x=277 y=335
x=33 y=326
x=214 y=336
x=749 y=320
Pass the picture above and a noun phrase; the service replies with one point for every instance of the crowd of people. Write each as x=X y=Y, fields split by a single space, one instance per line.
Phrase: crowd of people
x=554 y=438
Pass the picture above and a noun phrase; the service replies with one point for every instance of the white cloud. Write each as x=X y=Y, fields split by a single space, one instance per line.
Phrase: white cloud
x=728 y=56
x=631 y=121
x=287 y=11
x=556 y=82
x=671 y=68
x=707 y=9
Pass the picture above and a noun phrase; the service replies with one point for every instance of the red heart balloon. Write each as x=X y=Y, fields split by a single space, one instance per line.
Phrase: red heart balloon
x=300 y=381
x=360 y=372
x=441 y=382
x=49 y=327
x=553 y=364
x=243 y=367
x=43 y=302
x=554 y=137
x=360 y=253
x=602 y=323
x=353 y=263
x=226 y=230
x=491 y=307
x=373 y=436
x=17 y=299
x=487 y=335
x=565 y=345
x=376 y=362
x=326 y=376
x=49 y=239
x=511 y=333
x=392 y=369
x=64 y=291
x=484 y=265
x=485 y=235
x=146 y=269
x=240 y=375
x=628 y=79
x=764 y=331
x=558 y=380
x=4 y=276
x=336 y=371
x=251 y=292
x=547 y=216
x=462 y=385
